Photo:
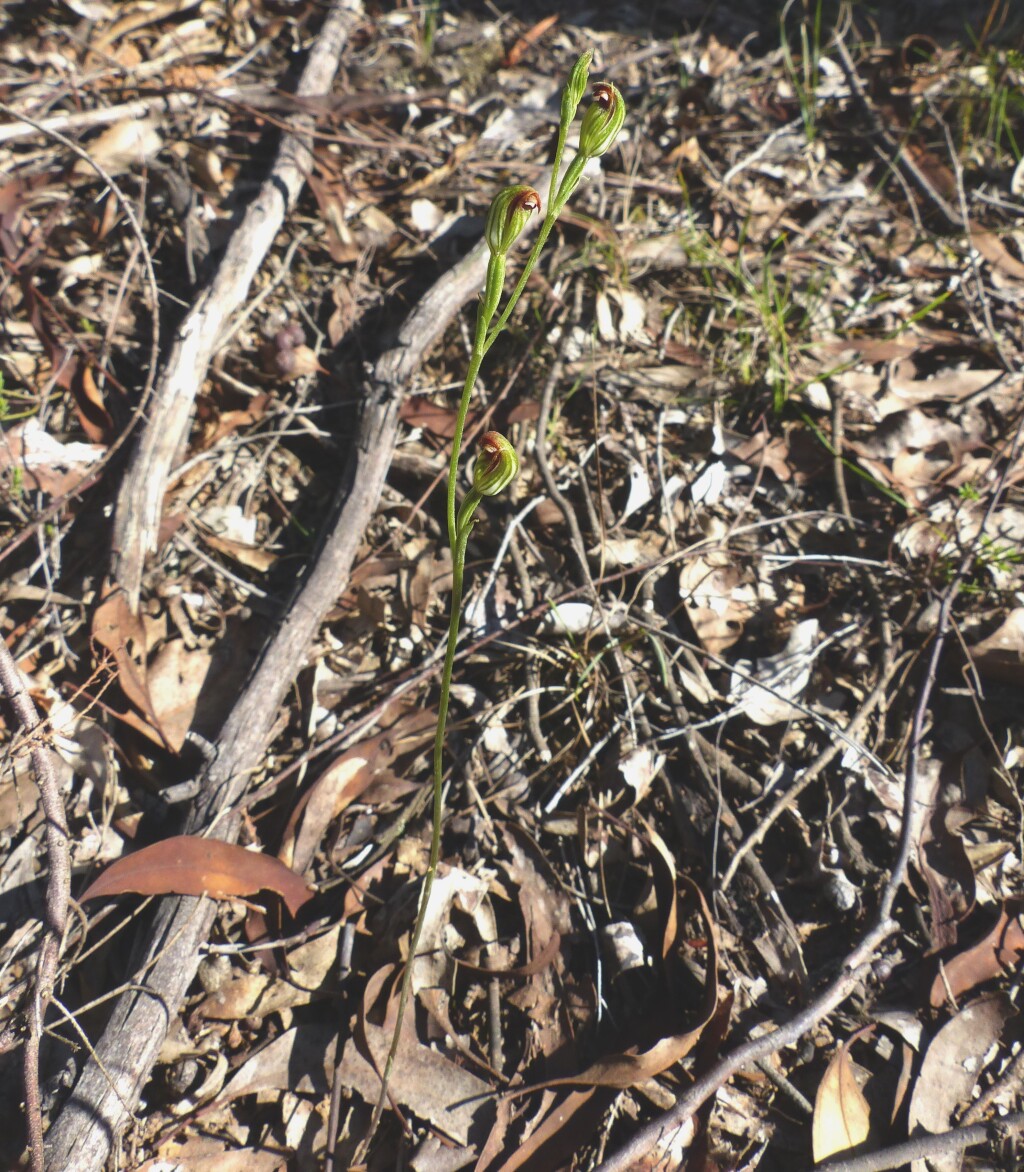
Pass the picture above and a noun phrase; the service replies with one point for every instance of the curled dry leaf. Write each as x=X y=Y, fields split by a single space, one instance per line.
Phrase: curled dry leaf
x=122 y=146
x=998 y=952
x=763 y=692
x=187 y=865
x=679 y=1036
x=121 y=632
x=258 y=994
x=344 y=781
x=842 y=1119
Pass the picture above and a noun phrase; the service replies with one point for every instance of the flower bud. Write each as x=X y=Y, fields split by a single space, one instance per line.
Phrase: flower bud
x=576 y=87
x=602 y=121
x=510 y=209
x=496 y=466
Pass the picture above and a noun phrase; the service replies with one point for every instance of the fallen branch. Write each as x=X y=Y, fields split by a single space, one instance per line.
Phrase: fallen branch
x=58 y=889
x=140 y=499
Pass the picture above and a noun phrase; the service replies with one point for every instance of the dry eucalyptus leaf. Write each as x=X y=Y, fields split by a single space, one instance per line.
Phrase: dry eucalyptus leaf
x=841 y=1116
x=762 y=692
x=121 y=147
x=949 y=1073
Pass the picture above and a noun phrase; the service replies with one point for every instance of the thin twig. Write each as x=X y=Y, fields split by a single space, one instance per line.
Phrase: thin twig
x=945 y=1143
x=58 y=891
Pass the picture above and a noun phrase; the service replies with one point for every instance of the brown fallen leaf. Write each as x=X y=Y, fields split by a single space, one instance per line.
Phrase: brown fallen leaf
x=996 y=253
x=175 y=679
x=952 y=1064
x=842 y=1119
x=637 y=1064
x=121 y=632
x=259 y=994
x=344 y=781
x=187 y=865
x=424 y=1080
x=530 y=37
x=1001 y=655
x=301 y=1060
x=719 y=600
x=999 y=951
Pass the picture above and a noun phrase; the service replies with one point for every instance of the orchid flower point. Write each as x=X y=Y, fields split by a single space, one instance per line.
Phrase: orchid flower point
x=496 y=466
x=510 y=210
x=602 y=121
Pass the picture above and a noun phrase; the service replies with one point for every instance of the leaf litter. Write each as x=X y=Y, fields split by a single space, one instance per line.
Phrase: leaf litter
x=784 y=413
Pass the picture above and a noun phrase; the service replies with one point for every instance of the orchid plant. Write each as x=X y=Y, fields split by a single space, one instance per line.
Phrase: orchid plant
x=497 y=463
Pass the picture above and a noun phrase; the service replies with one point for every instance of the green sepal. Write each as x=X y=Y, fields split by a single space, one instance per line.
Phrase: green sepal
x=510 y=210
x=602 y=121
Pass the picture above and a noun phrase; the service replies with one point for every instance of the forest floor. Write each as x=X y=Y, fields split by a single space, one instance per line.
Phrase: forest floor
x=733 y=823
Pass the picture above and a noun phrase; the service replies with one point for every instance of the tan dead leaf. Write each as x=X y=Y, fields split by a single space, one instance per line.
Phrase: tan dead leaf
x=89 y=406
x=557 y=1132
x=904 y=389
x=842 y=1119
x=1001 y=655
x=344 y=781
x=121 y=632
x=762 y=449
x=301 y=1060
x=423 y=1080
x=998 y=952
x=258 y=994
x=176 y=676
x=717 y=58
x=952 y=1063
x=718 y=600
x=207 y=1153
x=995 y=252
x=530 y=37
x=251 y=556
x=438 y=419
x=762 y=691
x=189 y=865
x=122 y=146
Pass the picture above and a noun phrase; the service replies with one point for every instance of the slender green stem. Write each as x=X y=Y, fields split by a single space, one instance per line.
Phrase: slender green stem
x=509 y=212
x=458 y=573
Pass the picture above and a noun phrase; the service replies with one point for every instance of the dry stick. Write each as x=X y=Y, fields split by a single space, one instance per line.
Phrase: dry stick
x=944 y=1143
x=80 y=120
x=857 y=964
x=82 y=1136
x=140 y=499
x=58 y=889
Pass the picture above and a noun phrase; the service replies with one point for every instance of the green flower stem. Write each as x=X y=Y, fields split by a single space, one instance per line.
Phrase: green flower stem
x=569 y=183
x=466 y=522
x=499 y=463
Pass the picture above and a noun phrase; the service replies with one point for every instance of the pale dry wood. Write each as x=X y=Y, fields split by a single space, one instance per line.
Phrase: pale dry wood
x=165 y=431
